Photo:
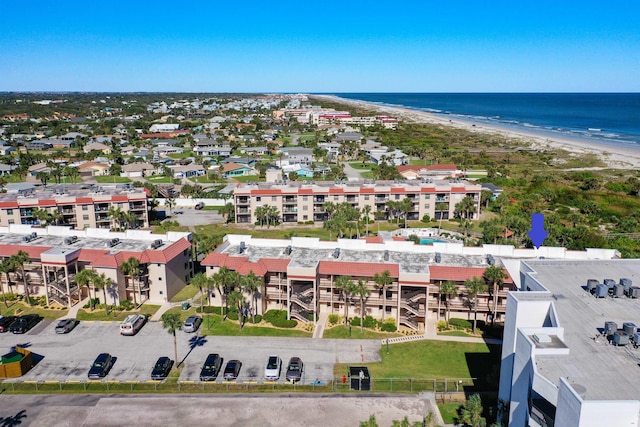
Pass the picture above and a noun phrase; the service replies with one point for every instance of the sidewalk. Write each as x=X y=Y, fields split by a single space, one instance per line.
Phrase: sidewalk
x=73 y=311
x=157 y=316
x=318 y=331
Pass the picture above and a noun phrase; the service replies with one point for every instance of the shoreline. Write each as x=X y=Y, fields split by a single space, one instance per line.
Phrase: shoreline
x=614 y=156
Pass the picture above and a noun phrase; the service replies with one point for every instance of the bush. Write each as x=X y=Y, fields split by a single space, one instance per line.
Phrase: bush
x=278 y=318
x=355 y=321
x=334 y=319
x=460 y=323
x=233 y=314
x=370 y=322
x=442 y=325
x=8 y=297
x=426 y=218
x=210 y=310
x=126 y=305
x=388 y=327
x=258 y=319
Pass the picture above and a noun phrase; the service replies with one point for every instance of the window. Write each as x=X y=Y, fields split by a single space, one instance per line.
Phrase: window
x=397 y=197
x=304 y=198
x=305 y=208
x=427 y=196
x=336 y=198
x=11 y=221
x=427 y=205
x=186 y=264
x=328 y=304
x=85 y=207
x=388 y=309
x=9 y=211
x=305 y=217
x=366 y=197
x=258 y=198
x=273 y=198
x=85 y=217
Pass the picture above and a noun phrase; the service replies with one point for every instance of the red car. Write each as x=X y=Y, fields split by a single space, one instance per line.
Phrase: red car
x=5 y=321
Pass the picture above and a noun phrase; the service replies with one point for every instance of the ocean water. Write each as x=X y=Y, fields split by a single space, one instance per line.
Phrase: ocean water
x=611 y=118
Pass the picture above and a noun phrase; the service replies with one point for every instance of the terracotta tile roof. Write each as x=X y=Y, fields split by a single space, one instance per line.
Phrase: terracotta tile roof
x=397 y=190
x=367 y=190
x=9 y=205
x=257 y=268
x=33 y=251
x=335 y=191
x=398 y=239
x=459 y=274
x=374 y=239
x=232 y=166
x=167 y=254
x=224 y=260
x=277 y=265
x=90 y=255
x=356 y=269
x=305 y=191
x=46 y=203
x=273 y=191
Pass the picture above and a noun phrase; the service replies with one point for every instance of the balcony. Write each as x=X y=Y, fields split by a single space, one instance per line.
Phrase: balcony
x=290 y=210
x=242 y=200
x=136 y=206
x=318 y=200
x=289 y=199
x=243 y=211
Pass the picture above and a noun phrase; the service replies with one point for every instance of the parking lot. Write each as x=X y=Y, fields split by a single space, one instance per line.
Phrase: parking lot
x=69 y=356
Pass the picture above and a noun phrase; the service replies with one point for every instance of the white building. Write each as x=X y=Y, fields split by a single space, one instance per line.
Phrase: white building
x=559 y=365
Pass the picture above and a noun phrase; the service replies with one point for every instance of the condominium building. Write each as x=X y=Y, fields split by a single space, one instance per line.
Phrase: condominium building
x=570 y=351
x=78 y=208
x=299 y=275
x=57 y=254
x=304 y=201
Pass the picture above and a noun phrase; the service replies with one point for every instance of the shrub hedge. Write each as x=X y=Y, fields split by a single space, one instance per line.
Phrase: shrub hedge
x=278 y=318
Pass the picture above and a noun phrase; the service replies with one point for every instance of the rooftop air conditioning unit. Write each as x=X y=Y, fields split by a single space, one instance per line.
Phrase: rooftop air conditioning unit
x=243 y=247
x=438 y=257
x=336 y=253
x=491 y=260
x=288 y=250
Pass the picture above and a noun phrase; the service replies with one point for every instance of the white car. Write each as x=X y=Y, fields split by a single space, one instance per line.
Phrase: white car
x=272 y=371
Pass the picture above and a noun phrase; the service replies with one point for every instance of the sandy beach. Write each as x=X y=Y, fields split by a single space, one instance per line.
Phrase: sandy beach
x=617 y=157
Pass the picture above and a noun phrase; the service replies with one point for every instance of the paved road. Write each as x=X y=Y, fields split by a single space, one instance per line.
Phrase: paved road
x=190 y=217
x=68 y=357
x=213 y=409
x=352 y=173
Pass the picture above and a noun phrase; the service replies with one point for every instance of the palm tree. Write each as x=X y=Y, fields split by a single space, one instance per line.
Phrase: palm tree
x=495 y=275
x=383 y=281
x=100 y=282
x=371 y=422
x=362 y=291
x=19 y=260
x=115 y=214
x=475 y=287
x=131 y=268
x=172 y=323
x=201 y=281
x=85 y=278
x=236 y=299
x=170 y=202
x=252 y=284
x=346 y=285
x=448 y=289
x=43 y=177
x=7 y=266
x=366 y=211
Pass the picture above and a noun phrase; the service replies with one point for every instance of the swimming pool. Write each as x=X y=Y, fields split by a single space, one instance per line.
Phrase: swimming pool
x=428 y=241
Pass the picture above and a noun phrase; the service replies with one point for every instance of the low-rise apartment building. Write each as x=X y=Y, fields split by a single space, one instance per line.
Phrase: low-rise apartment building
x=57 y=254
x=304 y=201
x=77 y=208
x=299 y=275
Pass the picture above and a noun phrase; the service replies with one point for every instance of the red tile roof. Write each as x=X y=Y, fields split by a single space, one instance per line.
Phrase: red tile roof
x=335 y=190
x=257 y=268
x=273 y=191
x=8 y=205
x=90 y=255
x=375 y=239
x=367 y=190
x=305 y=191
x=356 y=269
x=277 y=265
x=167 y=254
x=33 y=251
x=459 y=274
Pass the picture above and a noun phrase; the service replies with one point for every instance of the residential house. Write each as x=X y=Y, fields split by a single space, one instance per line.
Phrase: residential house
x=6 y=169
x=133 y=170
x=439 y=171
x=90 y=169
x=298 y=155
x=231 y=170
x=395 y=158
x=97 y=146
x=188 y=171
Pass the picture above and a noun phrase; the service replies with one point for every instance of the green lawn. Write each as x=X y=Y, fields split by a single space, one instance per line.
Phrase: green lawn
x=185 y=293
x=341 y=331
x=247 y=178
x=99 y=313
x=437 y=359
x=112 y=179
x=183 y=155
x=367 y=175
x=47 y=313
x=456 y=334
x=213 y=325
x=359 y=165
x=449 y=411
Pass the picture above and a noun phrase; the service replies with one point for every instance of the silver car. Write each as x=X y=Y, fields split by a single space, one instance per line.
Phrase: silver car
x=192 y=323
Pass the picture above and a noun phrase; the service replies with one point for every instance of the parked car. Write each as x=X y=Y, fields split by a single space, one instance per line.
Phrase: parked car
x=22 y=324
x=211 y=367
x=132 y=324
x=192 y=323
x=199 y=205
x=232 y=370
x=294 y=370
x=66 y=325
x=272 y=371
x=5 y=322
x=162 y=368
x=101 y=366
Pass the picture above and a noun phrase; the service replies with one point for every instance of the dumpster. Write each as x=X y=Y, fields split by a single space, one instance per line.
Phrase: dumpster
x=186 y=305
x=359 y=378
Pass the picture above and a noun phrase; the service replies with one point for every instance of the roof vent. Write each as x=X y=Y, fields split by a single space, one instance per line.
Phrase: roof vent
x=386 y=255
x=243 y=248
x=113 y=242
x=438 y=257
x=490 y=259
x=336 y=253
x=288 y=250
x=70 y=240
x=542 y=338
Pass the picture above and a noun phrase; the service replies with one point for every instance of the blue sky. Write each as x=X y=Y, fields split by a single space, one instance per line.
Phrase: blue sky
x=321 y=46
